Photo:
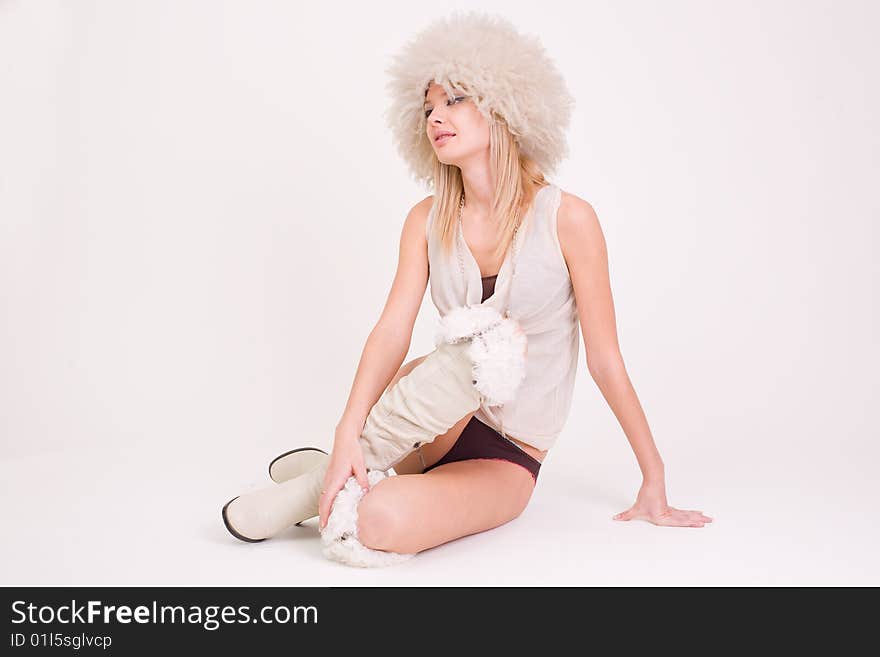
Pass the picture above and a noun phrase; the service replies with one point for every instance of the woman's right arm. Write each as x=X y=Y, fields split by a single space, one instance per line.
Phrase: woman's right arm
x=383 y=354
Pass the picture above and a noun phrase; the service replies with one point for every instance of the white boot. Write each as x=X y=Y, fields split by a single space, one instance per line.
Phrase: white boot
x=479 y=356
x=425 y=403
x=259 y=514
x=496 y=372
x=296 y=462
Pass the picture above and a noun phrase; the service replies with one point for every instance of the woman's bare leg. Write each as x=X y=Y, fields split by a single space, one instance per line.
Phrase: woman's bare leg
x=413 y=512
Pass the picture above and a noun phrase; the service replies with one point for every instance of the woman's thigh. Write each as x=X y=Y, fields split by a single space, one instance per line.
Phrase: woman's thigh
x=414 y=512
x=433 y=451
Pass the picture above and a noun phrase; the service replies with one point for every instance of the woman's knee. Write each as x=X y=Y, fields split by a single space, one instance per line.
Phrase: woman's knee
x=405 y=369
x=378 y=520
x=410 y=366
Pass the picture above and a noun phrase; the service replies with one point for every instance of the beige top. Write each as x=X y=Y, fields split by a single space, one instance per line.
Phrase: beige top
x=541 y=300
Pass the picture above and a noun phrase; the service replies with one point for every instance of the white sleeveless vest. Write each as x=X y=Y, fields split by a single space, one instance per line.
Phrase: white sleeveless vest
x=541 y=300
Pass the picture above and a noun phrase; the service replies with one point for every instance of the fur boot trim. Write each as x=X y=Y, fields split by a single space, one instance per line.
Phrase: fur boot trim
x=498 y=349
x=340 y=539
x=465 y=322
x=499 y=358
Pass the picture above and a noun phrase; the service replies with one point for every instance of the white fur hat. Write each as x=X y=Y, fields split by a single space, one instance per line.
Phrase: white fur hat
x=502 y=70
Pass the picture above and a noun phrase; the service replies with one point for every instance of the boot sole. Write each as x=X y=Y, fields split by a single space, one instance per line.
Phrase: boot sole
x=232 y=531
x=293 y=451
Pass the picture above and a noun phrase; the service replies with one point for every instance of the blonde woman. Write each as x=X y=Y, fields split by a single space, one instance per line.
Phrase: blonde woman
x=478 y=113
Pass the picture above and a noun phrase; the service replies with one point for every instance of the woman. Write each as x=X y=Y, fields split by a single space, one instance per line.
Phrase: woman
x=496 y=233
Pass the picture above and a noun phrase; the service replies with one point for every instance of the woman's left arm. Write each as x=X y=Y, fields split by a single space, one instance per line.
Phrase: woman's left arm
x=583 y=247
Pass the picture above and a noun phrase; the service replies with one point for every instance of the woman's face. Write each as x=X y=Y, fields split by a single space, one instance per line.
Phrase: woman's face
x=460 y=117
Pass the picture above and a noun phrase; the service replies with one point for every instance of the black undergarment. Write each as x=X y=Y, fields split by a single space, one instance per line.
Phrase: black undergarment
x=488 y=286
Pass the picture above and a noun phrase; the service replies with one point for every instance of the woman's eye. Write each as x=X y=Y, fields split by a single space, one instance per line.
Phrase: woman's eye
x=454 y=100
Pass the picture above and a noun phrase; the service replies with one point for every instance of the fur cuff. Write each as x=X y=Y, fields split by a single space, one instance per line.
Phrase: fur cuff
x=498 y=349
x=339 y=538
x=499 y=362
x=465 y=322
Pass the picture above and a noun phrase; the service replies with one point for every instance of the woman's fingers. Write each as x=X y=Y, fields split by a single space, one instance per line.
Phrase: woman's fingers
x=698 y=516
x=361 y=475
x=625 y=515
x=328 y=494
x=682 y=518
x=322 y=511
x=671 y=517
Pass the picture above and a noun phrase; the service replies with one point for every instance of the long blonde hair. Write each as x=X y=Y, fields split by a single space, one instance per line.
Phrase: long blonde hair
x=517 y=179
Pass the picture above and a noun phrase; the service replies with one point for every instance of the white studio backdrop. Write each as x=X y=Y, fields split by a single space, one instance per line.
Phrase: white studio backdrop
x=200 y=208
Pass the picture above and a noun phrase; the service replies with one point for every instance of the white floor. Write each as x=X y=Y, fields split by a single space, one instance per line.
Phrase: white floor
x=151 y=516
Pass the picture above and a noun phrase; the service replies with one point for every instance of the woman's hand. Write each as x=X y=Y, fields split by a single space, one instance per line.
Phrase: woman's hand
x=651 y=506
x=346 y=459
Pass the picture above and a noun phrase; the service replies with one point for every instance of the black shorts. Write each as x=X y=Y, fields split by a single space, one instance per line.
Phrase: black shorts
x=479 y=441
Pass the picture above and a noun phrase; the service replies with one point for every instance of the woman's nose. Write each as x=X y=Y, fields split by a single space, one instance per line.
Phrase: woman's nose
x=436 y=113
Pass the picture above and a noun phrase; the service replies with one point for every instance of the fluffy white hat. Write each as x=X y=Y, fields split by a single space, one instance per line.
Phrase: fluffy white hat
x=502 y=70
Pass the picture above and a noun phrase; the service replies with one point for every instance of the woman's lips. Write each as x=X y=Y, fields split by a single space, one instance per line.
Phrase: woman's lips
x=442 y=140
